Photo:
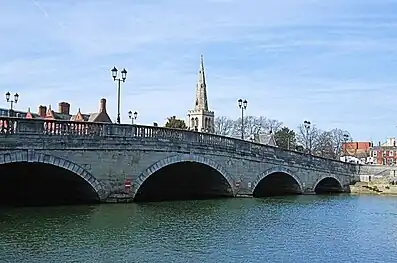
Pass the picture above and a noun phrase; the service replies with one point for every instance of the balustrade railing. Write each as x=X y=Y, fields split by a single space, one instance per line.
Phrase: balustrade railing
x=7 y=126
x=21 y=126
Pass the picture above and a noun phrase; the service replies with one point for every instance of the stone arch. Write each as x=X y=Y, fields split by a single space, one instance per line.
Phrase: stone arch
x=34 y=157
x=276 y=169
x=179 y=159
x=325 y=177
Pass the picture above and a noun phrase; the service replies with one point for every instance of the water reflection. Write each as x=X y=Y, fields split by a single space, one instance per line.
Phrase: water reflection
x=280 y=229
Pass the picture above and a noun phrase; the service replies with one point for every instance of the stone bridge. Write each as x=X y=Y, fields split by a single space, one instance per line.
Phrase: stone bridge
x=47 y=160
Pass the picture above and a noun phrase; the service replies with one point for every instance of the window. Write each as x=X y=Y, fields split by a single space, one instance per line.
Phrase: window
x=375 y=153
x=391 y=153
x=384 y=153
x=196 y=122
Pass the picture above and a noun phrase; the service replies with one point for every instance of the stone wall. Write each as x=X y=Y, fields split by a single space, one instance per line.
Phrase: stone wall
x=377 y=170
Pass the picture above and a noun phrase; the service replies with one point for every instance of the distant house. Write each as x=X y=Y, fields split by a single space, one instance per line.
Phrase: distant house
x=63 y=113
x=359 y=150
x=101 y=116
x=266 y=139
x=14 y=113
x=8 y=113
x=385 y=153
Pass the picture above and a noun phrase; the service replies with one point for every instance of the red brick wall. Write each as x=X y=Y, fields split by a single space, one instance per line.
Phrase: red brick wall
x=384 y=153
x=357 y=149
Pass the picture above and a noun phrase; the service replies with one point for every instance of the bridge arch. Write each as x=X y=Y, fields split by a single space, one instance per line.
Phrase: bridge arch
x=179 y=159
x=328 y=184
x=40 y=158
x=288 y=176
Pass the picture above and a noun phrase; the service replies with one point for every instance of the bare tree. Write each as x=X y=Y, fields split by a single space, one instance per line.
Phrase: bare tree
x=271 y=125
x=323 y=145
x=312 y=140
x=308 y=138
x=338 y=139
x=224 y=126
x=255 y=125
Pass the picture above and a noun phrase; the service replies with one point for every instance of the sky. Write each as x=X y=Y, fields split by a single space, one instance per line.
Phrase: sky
x=333 y=63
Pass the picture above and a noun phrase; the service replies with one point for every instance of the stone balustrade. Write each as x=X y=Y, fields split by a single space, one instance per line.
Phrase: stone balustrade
x=10 y=126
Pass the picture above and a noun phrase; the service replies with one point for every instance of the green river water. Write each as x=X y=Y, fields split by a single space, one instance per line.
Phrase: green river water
x=296 y=229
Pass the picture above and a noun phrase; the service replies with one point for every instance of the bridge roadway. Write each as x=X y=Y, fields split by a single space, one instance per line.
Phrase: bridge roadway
x=46 y=161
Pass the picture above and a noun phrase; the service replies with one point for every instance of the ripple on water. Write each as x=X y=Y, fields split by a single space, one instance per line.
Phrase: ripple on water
x=285 y=229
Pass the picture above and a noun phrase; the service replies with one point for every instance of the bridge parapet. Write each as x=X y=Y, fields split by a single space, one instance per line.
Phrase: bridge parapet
x=57 y=129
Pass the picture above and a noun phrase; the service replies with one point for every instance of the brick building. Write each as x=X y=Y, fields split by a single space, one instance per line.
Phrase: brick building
x=63 y=113
x=384 y=153
x=360 y=150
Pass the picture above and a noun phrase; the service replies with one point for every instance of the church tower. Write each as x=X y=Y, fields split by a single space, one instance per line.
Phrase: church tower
x=201 y=119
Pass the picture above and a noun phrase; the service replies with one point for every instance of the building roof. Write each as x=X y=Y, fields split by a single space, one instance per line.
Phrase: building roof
x=383 y=148
x=100 y=116
x=92 y=117
x=85 y=117
x=267 y=139
x=60 y=116
x=4 y=112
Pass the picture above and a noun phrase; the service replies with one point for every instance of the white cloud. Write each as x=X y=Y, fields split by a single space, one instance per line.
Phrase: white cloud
x=292 y=59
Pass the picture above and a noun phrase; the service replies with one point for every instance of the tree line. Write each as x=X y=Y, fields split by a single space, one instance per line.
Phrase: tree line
x=315 y=141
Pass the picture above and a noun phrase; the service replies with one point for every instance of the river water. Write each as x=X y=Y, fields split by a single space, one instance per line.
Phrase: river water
x=285 y=229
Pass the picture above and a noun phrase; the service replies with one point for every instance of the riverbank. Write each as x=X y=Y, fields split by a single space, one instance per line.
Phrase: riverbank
x=379 y=187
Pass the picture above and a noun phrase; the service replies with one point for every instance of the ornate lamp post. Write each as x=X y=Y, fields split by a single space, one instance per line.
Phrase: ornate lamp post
x=132 y=116
x=243 y=106
x=307 y=125
x=123 y=77
x=345 y=139
x=15 y=100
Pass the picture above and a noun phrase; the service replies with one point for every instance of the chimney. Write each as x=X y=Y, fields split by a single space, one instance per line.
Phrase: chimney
x=102 y=105
x=64 y=108
x=42 y=111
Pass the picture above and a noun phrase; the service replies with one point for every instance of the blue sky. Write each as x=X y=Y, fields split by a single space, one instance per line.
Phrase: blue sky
x=331 y=62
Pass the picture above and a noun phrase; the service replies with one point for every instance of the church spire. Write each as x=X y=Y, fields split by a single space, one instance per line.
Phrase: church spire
x=201 y=89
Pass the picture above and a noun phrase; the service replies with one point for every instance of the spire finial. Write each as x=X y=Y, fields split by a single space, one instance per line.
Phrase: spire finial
x=202 y=67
